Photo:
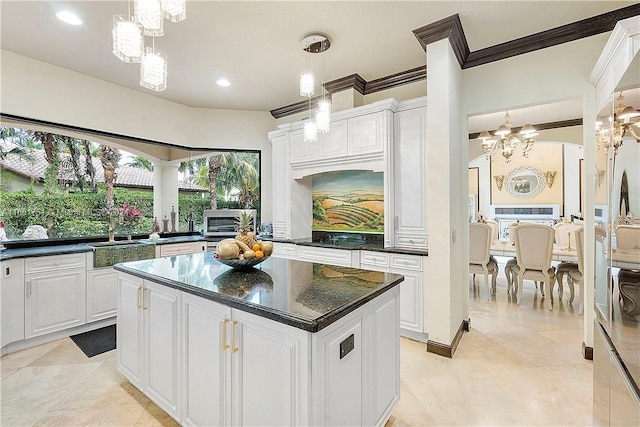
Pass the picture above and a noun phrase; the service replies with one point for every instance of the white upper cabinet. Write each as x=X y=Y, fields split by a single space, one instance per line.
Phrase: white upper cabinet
x=367 y=134
x=410 y=177
x=301 y=150
x=332 y=144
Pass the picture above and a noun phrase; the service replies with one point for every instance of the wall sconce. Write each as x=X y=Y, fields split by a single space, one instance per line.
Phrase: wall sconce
x=499 y=181
x=550 y=177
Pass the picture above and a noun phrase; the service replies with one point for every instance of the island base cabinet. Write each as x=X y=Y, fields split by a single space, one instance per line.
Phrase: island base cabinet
x=205 y=385
x=148 y=340
x=270 y=372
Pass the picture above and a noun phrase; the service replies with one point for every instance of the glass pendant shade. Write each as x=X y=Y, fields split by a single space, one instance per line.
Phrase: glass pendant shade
x=629 y=113
x=310 y=131
x=175 y=10
x=128 y=42
x=323 y=116
x=306 y=84
x=528 y=131
x=150 y=15
x=153 y=70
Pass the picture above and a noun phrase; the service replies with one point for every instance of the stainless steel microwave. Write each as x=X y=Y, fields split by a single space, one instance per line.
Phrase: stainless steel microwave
x=222 y=222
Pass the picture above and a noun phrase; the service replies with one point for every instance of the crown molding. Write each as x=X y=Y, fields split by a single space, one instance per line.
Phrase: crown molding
x=539 y=127
x=566 y=33
x=451 y=28
x=296 y=108
x=447 y=28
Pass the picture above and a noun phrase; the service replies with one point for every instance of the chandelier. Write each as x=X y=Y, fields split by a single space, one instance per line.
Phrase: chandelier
x=321 y=120
x=625 y=122
x=147 y=20
x=505 y=142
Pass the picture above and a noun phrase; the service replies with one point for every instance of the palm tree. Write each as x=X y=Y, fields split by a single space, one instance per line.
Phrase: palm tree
x=109 y=157
x=140 y=162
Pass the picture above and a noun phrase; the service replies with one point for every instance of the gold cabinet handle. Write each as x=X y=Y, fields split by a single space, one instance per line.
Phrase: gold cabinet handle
x=139 y=299
x=233 y=336
x=143 y=307
x=29 y=288
x=224 y=334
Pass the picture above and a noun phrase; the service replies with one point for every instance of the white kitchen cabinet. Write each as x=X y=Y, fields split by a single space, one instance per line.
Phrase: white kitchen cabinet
x=147 y=340
x=342 y=257
x=332 y=144
x=240 y=369
x=412 y=268
x=55 y=290
x=410 y=177
x=12 y=294
x=285 y=250
x=301 y=150
x=368 y=134
x=175 y=249
x=269 y=372
x=102 y=294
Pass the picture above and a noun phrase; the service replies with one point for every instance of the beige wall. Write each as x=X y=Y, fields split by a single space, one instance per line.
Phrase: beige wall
x=547 y=157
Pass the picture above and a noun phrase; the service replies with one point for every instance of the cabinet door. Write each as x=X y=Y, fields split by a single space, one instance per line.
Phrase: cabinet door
x=281 y=175
x=367 y=134
x=54 y=301
x=301 y=150
x=333 y=143
x=176 y=249
x=411 y=290
x=102 y=294
x=161 y=346
x=129 y=328
x=270 y=372
x=12 y=294
x=205 y=382
x=410 y=173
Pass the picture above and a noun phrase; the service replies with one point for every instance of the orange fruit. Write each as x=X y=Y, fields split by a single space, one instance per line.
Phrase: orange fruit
x=259 y=254
x=256 y=247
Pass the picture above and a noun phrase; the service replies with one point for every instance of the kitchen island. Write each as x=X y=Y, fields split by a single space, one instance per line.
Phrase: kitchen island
x=284 y=343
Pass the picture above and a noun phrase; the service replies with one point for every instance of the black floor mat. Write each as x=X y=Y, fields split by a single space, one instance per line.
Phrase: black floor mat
x=97 y=341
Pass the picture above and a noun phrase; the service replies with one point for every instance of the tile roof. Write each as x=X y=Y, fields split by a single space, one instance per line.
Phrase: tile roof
x=36 y=165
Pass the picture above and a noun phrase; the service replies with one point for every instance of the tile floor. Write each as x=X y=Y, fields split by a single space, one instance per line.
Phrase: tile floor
x=518 y=366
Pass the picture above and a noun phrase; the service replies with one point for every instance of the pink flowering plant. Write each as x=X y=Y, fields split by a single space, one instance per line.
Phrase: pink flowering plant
x=129 y=215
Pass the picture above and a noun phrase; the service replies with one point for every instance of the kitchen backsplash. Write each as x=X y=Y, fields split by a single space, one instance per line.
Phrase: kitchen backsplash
x=349 y=201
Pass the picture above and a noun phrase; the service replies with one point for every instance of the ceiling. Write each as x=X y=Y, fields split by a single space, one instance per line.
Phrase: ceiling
x=255 y=44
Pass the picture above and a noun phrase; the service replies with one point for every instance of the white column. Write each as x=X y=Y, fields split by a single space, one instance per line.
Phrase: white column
x=447 y=291
x=165 y=191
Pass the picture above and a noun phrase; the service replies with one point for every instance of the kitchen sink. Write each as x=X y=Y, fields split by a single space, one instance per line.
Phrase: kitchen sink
x=106 y=254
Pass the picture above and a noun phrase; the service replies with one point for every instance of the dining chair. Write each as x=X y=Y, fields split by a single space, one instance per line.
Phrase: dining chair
x=565 y=238
x=509 y=266
x=479 y=256
x=534 y=249
x=628 y=237
x=494 y=230
x=577 y=277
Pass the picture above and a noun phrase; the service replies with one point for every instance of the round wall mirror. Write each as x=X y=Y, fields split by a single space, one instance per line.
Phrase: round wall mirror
x=524 y=182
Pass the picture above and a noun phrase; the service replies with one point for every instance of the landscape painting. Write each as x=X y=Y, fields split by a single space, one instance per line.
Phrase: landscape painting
x=351 y=201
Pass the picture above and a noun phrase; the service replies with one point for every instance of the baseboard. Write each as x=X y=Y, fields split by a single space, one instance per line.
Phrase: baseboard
x=42 y=339
x=449 y=350
x=416 y=336
x=587 y=352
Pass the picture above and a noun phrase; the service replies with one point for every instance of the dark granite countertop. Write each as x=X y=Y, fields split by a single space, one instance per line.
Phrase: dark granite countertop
x=35 y=248
x=304 y=295
x=37 y=251
x=347 y=245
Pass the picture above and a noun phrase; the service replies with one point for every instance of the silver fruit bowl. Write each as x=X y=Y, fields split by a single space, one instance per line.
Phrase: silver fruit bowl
x=240 y=265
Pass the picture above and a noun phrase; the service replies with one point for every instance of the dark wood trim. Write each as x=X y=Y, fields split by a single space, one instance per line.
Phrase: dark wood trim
x=539 y=126
x=354 y=81
x=395 y=80
x=446 y=28
x=296 y=108
x=449 y=350
x=587 y=352
x=565 y=33
x=451 y=28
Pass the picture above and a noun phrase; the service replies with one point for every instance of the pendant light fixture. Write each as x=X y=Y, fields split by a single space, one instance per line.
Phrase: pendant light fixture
x=153 y=69
x=175 y=10
x=150 y=15
x=505 y=142
x=320 y=121
x=128 y=42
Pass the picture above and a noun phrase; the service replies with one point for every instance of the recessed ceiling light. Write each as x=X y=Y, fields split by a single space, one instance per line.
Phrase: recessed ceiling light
x=69 y=17
x=223 y=82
